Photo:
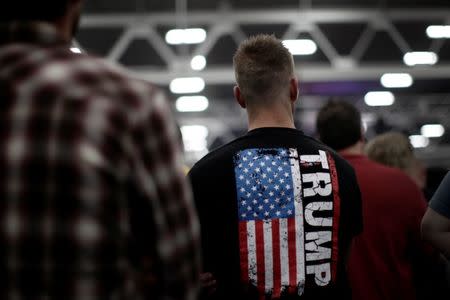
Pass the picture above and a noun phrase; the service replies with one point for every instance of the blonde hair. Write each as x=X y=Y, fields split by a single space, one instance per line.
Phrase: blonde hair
x=263 y=66
x=392 y=149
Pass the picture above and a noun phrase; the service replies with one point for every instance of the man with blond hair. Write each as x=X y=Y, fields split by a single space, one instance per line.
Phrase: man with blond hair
x=278 y=209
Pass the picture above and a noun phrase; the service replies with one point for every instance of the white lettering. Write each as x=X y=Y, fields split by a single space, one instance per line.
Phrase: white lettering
x=318 y=206
x=322 y=273
x=322 y=158
x=318 y=238
x=316 y=179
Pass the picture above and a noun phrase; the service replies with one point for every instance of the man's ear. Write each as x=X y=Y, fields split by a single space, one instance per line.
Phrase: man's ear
x=293 y=89
x=238 y=97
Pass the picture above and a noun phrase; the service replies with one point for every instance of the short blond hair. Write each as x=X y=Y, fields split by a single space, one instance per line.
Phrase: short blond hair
x=392 y=149
x=263 y=66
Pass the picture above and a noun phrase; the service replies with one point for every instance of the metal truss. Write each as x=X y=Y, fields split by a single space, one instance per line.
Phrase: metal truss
x=228 y=21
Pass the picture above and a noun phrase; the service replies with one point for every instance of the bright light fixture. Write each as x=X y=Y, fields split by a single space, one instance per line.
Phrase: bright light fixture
x=75 y=50
x=396 y=80
x=194 y=137
x=187 y=85
x=420 y=58
x=419 y=141
x=438 y=31
x=198 y=63
x=432 y=130
x=300 y=47
x=379 y=98
x=186 y=36
x=192 y=103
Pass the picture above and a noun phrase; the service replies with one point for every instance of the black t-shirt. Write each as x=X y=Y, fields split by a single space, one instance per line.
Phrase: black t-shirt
x=278 y=210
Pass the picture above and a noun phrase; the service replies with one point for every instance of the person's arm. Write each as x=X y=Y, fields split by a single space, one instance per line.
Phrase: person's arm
x=435 y=226
x=208 y=280
x=436 y=230
x=165 y=203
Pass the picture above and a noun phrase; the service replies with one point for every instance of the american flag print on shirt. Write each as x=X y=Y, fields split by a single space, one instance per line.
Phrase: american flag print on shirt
x=275 y=253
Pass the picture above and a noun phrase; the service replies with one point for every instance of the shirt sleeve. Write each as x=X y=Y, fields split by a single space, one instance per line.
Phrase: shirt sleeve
x=157 y=169
x=440 y=202
x=417 y=206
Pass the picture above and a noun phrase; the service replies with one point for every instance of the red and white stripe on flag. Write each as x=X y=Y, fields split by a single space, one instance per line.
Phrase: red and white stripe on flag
x=272 y=250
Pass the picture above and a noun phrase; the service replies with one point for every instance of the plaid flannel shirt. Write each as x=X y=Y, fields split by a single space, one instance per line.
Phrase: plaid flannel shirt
x=93 y=200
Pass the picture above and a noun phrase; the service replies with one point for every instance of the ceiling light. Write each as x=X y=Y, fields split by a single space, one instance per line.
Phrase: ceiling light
x=186 y=36
x=419 y=141
x=194 y=137
x=396 y=80
x=300 y=47
x=194 y=131
x=379 y=98
x=198 y=63
x=75 y=50
x=420 y=58
x=187 y=85
x=432 y=130
x=192 y=103
x=438 y=31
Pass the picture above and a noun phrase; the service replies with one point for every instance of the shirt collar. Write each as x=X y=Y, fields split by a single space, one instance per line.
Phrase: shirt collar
x=30 y=32
x=274 y=130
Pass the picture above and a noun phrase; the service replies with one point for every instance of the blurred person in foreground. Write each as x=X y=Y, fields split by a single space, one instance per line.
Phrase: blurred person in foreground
x=383 y=261
x=94 y=203
x=436 y=222
x=394 y=149
x=278 y=209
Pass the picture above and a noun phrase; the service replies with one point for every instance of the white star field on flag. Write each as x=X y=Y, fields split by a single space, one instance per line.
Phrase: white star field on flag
x=264 y=184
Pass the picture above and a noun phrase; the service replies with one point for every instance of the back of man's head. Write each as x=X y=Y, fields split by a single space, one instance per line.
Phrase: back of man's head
x=392 y=149
x=263 y=68
x=339 y=125
x=34 y=10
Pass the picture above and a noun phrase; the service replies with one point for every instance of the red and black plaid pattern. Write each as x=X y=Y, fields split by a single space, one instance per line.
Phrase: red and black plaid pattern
x=93 y=200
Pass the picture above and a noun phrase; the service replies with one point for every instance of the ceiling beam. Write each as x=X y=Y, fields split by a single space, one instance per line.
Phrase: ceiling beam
x=225 y=75
x=267 y=16
x=227 y=21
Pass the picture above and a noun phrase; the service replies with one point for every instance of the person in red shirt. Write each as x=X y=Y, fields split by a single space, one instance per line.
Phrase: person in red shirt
x=383 y=260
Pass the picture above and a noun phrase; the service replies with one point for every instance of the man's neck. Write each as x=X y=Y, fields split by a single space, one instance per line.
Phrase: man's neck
x=356 y=149
x=64 y=30
x=271 y=117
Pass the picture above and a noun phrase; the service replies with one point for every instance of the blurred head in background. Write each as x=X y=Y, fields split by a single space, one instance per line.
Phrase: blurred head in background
x=340 y=127
x=63 y=14
x=394 y=149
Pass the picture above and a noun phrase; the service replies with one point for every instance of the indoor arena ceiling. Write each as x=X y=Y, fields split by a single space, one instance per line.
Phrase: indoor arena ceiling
x=357 y=42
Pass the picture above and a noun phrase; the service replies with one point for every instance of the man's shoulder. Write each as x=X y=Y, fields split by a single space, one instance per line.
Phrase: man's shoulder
x=84 y=66
x=343 y=167
x=99 y=78
x=216 y=157
x=111 y=71
x=321 y=146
